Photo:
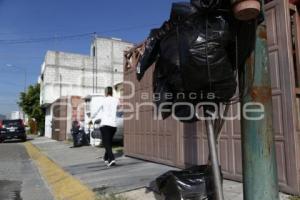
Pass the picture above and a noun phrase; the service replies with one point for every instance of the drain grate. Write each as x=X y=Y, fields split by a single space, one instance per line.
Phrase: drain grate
x=10 y=190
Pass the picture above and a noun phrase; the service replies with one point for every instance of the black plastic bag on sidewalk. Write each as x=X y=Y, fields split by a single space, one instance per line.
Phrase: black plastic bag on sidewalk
x=195 y=183
x=79 y=139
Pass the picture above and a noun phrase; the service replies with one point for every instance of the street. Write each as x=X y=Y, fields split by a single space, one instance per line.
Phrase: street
x=19 y=177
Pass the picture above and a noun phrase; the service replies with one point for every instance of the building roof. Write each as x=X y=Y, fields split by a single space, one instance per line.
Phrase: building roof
x=114 y=39
x=67 y=53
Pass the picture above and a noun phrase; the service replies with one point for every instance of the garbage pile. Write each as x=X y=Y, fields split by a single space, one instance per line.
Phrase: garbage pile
x=78 y=134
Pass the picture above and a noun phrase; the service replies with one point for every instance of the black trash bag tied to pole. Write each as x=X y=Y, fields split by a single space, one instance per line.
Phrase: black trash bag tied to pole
x=195 y=183
x=198 y=51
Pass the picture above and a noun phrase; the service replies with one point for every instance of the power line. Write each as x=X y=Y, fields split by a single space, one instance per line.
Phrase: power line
x=44 y=39
x=70 y=37
x=60 y=31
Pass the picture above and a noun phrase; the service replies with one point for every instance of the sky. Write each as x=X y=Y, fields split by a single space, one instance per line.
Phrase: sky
x=24 y=25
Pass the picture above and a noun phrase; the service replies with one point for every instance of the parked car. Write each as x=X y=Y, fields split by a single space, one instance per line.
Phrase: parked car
x=12 y=129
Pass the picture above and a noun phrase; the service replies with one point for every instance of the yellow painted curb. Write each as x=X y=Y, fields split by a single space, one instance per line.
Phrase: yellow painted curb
x=62 y=184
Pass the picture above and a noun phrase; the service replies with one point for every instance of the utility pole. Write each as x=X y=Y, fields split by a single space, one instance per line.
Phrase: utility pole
x=259 y=159
x=60 y=85
x=94 y=62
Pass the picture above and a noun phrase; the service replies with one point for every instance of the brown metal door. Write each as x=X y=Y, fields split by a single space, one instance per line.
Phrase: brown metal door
x=59 y=120
x=273 y=20
x=144 y=136
x=55 y=123
x=281 y=65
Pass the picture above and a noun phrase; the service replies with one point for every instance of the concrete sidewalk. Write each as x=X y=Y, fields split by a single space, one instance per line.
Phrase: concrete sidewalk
x=130 y=177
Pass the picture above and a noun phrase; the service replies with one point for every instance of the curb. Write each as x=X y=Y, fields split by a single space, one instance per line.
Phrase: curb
x=62 y=184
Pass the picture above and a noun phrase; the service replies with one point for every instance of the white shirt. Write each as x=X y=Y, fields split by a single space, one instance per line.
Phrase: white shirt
x=108 y=111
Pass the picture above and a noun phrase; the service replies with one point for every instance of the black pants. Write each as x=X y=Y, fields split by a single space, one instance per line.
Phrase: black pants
x=108 y=133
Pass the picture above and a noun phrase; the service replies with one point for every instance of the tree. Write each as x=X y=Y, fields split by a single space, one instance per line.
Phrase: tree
x=30 y=104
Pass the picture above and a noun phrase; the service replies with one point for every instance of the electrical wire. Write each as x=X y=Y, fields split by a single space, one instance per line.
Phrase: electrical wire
x=69 y=37
x=44 y=39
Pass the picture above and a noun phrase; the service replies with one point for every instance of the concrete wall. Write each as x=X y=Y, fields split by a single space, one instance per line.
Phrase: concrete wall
x=65 y=74
x=109 y=61
x=68 y=74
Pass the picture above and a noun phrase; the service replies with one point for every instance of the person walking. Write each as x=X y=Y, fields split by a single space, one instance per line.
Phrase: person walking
x=108 y=125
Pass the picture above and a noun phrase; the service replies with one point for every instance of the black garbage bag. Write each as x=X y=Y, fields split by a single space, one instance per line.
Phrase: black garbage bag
x=79 y=139
x=192 y=50
x=74 y=132
x=181 y=11
x=150 y=54
x=208 y=5
x=204 y=62
x=195 y=183
x=198 y=51
x=86 y=139
x=96 y=134
x=77 y=134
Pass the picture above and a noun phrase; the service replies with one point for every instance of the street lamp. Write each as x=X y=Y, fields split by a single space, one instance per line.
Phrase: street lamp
x=24 y=71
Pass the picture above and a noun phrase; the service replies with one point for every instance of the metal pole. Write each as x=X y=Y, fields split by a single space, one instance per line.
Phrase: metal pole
x=60 y=85
x=94 y=57
x=214 y=158
x=259 y=160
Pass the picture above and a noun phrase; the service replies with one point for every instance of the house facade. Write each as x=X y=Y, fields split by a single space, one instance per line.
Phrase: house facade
x=66 y=75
